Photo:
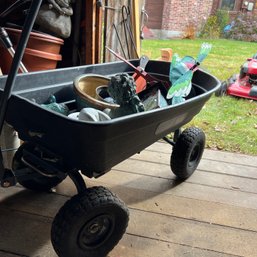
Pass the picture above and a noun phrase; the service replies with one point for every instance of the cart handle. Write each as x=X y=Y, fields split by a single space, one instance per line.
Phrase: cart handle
x=29 y=22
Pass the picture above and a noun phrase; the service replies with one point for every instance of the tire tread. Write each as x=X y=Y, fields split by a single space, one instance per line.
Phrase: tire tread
x=182 y=151
x=90 y=199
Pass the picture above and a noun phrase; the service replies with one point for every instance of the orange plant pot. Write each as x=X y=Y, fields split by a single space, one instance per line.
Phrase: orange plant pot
x=34 y=60
x=38 y=41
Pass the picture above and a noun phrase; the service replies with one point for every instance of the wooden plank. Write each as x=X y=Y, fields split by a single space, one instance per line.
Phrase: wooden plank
x=164 y=158
x=136 y=25
x=191 y=209
x=134 y=246
x=186 y=208
x=222 y=156
x=25 y=234
x=199 y=177
x=20 y=199
x=115 y=34
x=35 y=231
x=98 y=34
x=194 y=234
x=163 y=162
x=228 y=168
x=206 y=216
x=231 y=157
x=224 y=181
x=90 y=31
x=237 y=169
x=118 y=30
x=194 y=191
x=165 y=228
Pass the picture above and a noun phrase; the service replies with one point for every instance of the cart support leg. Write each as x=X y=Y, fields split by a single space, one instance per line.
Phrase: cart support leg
x=175 y=137
x=7 y=177
x=177 y=133
x=169 y=141
x=78 y=180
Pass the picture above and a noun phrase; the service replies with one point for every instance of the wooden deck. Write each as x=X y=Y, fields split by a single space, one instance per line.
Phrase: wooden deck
x=213 y=213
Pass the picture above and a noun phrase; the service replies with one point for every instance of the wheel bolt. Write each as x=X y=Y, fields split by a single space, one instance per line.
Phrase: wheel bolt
x=94 y=228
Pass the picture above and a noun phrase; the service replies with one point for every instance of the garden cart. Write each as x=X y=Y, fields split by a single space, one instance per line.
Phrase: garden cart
x=92 y=222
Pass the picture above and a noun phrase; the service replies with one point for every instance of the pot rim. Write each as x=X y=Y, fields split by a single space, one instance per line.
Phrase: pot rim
x=89 y=98
x=39 y=36
x=41 y=54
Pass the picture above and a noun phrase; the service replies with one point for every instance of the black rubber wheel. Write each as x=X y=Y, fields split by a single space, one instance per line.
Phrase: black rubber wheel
x=187 y=152
x=90 y=224
x=39 y=183
x=222 y=91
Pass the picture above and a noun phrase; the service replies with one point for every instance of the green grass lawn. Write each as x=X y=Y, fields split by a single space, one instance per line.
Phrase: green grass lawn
x=230 y=124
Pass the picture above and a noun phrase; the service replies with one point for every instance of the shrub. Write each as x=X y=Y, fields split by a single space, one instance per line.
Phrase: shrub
x=215 y=24
x=211 y=28
x=244 y=28
x=222 y=20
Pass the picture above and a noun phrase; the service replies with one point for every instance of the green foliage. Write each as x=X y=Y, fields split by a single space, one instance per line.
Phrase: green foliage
x=244 y=28
x=228 y=122
x=222 y=19
x=213 y=28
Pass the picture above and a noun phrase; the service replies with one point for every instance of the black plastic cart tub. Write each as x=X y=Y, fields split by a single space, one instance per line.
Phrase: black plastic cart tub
x=95 y=147
x=93 y=221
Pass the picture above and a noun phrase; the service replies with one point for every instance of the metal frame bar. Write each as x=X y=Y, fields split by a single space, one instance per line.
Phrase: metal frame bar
x=29 y=22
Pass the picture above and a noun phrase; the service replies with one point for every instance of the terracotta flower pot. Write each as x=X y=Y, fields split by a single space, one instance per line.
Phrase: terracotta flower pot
x=38 y=41
x=42 y=52
x=33 y=60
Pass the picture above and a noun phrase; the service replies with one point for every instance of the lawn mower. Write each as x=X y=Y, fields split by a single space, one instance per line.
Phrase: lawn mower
x=243 y=84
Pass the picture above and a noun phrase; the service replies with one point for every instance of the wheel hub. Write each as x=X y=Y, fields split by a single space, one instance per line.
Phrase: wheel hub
x=95 y=228
x=96 y=231
x=194 y=155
